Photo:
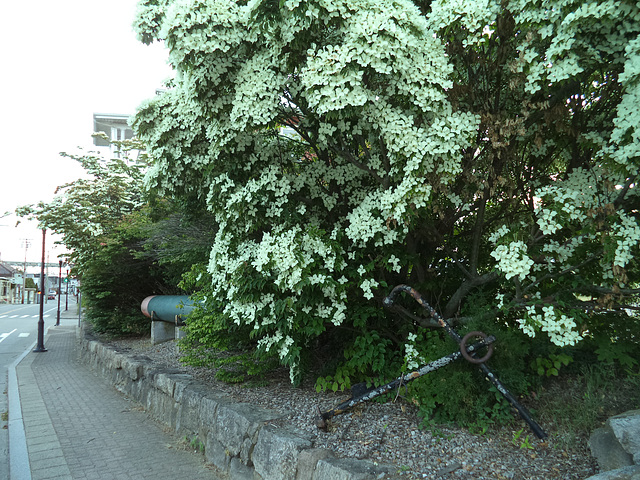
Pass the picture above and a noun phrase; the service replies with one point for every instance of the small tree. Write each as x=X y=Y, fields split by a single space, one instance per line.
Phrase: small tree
x=125 y=245
x=96 y=217
x=85 y=212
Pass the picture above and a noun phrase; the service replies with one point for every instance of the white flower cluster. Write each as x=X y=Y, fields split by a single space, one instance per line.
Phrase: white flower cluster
x=513 y=260
x=366 y=287
x=367 y=224
x=283 y=351
x=559 y=327
x=269 y=341
x=256 y=99
x=575 y=197
x=394 y=263
x=498 y=234
x=148 y=19
x=527 y=324
x=563 y=252
x=500 y=299
x=627 y=233
x=230 y=85
x=411 y=356
x=600 y=27
x=625 y=138
x=572 y=202
x=546 y=221
x=476 y=17
x=283 y=256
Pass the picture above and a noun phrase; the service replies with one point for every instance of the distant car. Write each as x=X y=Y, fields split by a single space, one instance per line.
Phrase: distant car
x=51 y=296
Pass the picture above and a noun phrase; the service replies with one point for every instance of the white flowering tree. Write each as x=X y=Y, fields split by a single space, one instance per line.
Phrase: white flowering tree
x=467 y=148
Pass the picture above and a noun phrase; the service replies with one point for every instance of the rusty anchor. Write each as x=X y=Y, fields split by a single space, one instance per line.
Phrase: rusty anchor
x=361 y=394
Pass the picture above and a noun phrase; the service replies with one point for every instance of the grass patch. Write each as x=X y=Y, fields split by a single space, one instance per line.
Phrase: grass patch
x=573 y=405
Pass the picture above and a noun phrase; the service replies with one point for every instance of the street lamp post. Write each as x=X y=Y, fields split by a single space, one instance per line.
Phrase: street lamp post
x=59 y=290
x=40 y=344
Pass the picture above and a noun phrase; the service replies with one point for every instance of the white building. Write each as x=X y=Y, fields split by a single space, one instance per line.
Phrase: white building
x=7 y=286
x=115 y=126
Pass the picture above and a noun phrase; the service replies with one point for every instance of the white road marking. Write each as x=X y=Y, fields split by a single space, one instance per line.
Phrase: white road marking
x=13 y=316
x=4 y=316
x=25 y=316
x=5 y=335
x=24 y=334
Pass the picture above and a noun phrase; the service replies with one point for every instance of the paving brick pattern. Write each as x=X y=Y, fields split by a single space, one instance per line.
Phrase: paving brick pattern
x=79 y=427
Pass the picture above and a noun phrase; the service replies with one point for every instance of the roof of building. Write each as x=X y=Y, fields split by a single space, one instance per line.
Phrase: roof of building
x=6 y=270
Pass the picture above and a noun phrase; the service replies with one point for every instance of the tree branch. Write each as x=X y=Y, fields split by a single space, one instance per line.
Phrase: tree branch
x=423 y=322
x=477 y=233
x=618 y=291
x=344 y=153
x=559 y=274
x=455 y=301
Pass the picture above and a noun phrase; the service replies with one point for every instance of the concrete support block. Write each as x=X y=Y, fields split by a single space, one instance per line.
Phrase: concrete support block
x=180 y=332
x=162 y=332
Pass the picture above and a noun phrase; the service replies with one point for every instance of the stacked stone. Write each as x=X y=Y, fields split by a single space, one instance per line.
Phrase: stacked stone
x=616 y=447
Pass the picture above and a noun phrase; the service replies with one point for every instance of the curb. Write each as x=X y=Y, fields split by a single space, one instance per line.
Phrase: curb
x=19 y=468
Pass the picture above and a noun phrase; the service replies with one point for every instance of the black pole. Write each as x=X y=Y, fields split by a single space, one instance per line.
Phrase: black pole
x=59 y=290
x=66 y=302
x=40 y=345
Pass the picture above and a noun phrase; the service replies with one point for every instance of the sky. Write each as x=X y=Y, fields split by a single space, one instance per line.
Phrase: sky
x=60 y=63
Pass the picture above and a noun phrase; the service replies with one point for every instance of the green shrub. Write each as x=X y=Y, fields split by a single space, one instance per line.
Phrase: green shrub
x=459 y=392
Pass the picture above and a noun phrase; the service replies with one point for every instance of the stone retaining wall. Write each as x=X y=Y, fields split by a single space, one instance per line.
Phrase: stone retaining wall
x=237 y=438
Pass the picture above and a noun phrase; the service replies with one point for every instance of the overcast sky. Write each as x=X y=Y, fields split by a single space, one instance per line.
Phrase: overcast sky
x=61 y=62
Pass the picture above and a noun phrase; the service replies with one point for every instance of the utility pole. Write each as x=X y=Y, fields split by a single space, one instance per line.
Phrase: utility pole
x=46 y=299
x=27 y=243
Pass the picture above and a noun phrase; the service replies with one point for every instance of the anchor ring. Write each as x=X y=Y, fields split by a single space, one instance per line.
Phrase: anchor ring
x=465 y=354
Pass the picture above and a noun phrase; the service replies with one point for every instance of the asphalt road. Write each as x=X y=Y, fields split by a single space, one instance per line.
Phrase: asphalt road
x=18 y=331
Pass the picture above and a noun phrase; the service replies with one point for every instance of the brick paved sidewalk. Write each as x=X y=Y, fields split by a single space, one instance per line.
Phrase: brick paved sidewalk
x=79 y=427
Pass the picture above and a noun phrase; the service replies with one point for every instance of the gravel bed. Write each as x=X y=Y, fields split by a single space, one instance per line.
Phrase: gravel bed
x=390 y=433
